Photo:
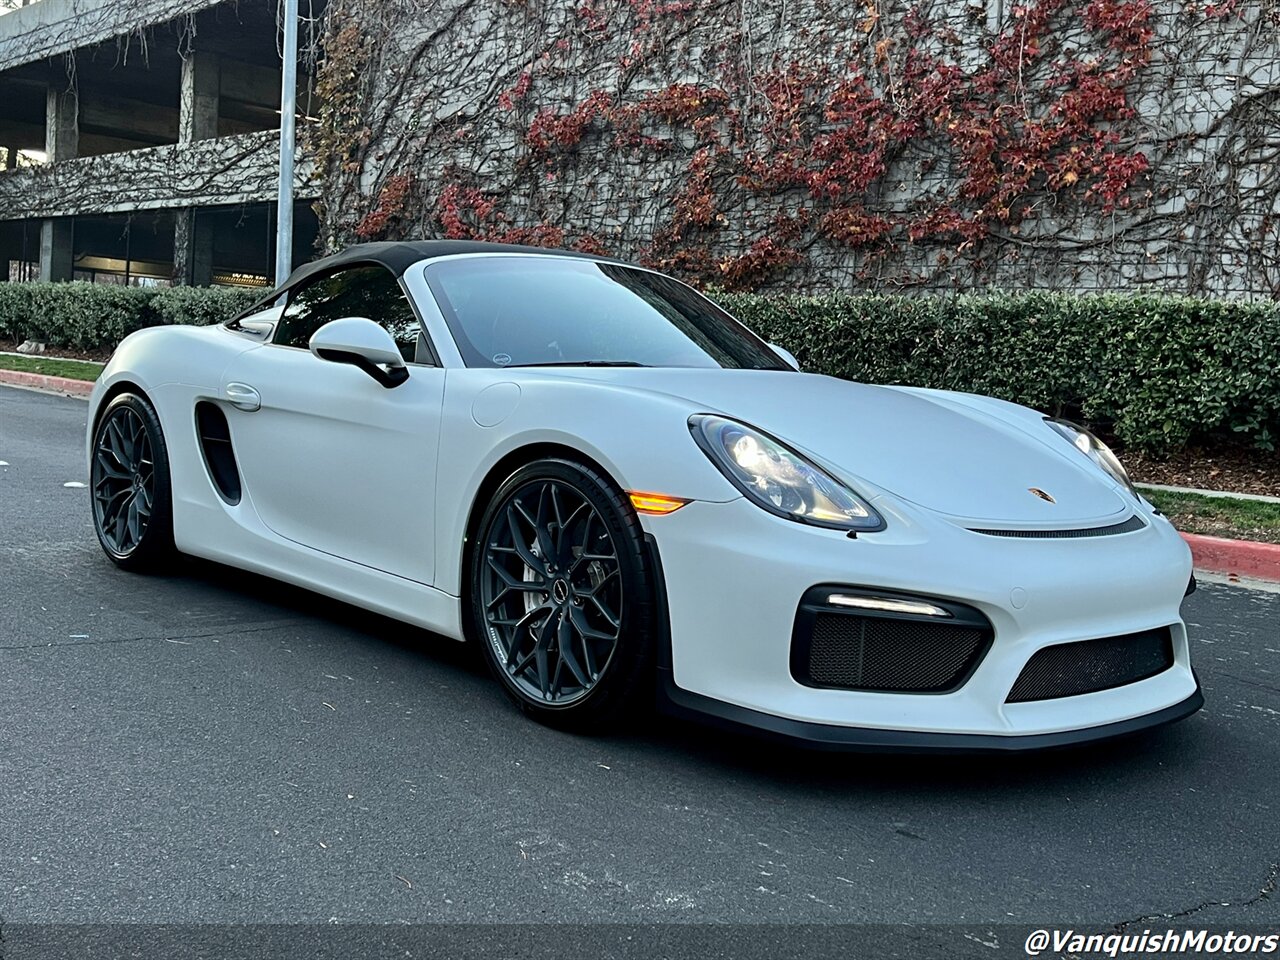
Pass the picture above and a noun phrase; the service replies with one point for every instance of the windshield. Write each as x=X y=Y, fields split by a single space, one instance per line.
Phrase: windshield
x=545 y=310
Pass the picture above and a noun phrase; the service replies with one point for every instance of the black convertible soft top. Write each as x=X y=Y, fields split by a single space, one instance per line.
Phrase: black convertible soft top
x=399 y=255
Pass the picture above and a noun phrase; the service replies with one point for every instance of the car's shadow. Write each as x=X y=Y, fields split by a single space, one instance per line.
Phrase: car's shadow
x=299 y=601
x=739 y=755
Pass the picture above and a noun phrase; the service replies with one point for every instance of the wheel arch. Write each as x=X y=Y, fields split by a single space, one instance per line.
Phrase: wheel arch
x=113 y=391
x=499 y=472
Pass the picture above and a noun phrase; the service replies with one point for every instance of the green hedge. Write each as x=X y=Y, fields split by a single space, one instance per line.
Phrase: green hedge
x=202 y=305
x=90 y=316
x=1156 y=372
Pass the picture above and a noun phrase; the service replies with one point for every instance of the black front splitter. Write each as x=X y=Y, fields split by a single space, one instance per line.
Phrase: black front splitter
x=821 y=736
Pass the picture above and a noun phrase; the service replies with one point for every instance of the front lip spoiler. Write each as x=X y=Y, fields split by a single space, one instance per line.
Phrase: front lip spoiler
x=826 y=737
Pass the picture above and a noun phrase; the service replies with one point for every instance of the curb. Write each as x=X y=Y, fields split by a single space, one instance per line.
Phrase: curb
x=49 y=384
x=1244 y=558
x=1227 y=494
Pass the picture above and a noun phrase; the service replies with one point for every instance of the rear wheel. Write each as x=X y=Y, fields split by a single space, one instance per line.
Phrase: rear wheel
x=562 y=596
x=129 y=484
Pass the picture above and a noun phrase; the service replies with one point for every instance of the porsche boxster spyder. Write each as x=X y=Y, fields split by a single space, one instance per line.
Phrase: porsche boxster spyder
x=613 y=488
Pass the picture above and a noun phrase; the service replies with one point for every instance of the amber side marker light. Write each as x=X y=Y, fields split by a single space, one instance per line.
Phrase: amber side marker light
x=655 y=503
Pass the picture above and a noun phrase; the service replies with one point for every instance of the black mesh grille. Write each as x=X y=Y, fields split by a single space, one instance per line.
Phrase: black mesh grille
x=1126 y=526
x=873 y=653
x=1068 y=669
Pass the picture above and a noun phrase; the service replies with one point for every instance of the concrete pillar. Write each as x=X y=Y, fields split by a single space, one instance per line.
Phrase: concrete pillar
x=198 y=101
x=197 y=120
x=57 y=250
x=192 y=248
x=61 y=124
x=61 y=142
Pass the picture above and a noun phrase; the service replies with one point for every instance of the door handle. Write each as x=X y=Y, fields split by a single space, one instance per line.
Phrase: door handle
x=243 y=396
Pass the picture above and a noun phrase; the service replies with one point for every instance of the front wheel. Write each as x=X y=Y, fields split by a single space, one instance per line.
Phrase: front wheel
x=562 y=597
x=129 y=484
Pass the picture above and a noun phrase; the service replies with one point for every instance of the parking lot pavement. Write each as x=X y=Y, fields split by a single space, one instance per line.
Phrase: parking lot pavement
x=210 y=745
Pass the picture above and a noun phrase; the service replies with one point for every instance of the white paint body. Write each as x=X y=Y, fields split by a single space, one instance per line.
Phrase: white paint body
x=363 y=493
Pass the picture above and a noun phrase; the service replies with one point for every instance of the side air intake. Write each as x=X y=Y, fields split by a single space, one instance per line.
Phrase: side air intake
x=219 y=458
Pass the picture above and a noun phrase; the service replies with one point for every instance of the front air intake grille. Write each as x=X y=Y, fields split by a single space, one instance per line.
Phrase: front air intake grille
x=1069 y=669
x=885 y=651
x=1127 y=526
x=866 y=653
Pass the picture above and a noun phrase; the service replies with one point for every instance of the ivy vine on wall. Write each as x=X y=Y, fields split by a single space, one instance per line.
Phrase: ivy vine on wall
x=751 y=145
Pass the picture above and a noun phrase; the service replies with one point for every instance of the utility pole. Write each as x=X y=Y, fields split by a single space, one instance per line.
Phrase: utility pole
x=288 y=112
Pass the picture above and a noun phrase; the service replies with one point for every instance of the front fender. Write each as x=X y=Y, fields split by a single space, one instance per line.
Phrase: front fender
x=151 y=358
x=640 y=438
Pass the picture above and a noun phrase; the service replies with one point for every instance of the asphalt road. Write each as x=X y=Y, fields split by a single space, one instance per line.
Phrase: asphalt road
x=213 y=746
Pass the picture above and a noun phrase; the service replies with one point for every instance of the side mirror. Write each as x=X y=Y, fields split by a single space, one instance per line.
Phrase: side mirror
x=364 y=344
x=786 y=355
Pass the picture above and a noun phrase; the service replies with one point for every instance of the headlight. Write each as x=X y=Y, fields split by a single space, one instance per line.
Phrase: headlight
x=1094 y=449
x=779 y=479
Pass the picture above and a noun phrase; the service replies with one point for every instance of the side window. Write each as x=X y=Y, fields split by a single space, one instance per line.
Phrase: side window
x=364 y=291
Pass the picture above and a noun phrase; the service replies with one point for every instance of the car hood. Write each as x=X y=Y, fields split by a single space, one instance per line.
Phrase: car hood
x=931 y=450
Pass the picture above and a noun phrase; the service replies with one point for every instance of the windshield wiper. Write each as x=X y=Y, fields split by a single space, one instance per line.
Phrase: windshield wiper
x=579 y=363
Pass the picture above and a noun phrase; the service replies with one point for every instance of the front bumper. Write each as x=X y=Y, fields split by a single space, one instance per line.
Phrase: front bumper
x=735 y=575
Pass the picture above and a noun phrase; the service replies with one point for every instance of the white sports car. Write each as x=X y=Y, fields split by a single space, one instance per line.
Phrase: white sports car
x=612 y=487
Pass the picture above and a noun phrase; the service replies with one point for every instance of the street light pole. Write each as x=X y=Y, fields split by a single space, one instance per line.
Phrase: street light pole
x=288 y=112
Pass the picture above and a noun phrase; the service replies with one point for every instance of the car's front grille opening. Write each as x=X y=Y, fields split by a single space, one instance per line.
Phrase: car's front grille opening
x=1070 y=669
x=867 y=653
x=889 y=652
x=1073 y=533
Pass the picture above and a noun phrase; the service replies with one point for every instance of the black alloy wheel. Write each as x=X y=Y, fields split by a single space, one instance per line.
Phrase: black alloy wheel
x=562 y=594
x=129 y=484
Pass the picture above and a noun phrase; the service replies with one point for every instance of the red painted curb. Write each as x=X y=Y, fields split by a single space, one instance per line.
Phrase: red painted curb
x=41 y=381
x=1244 y=558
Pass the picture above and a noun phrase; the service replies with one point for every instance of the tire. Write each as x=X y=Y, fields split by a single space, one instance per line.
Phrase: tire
x=129 y=489
x=564 y=608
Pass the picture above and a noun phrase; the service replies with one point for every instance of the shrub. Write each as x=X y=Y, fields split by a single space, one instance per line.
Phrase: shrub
x=1156 y=372
x=86 y=315
x=200 y=306
x=15 y=310
x=90 y=316
x=70 y=314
